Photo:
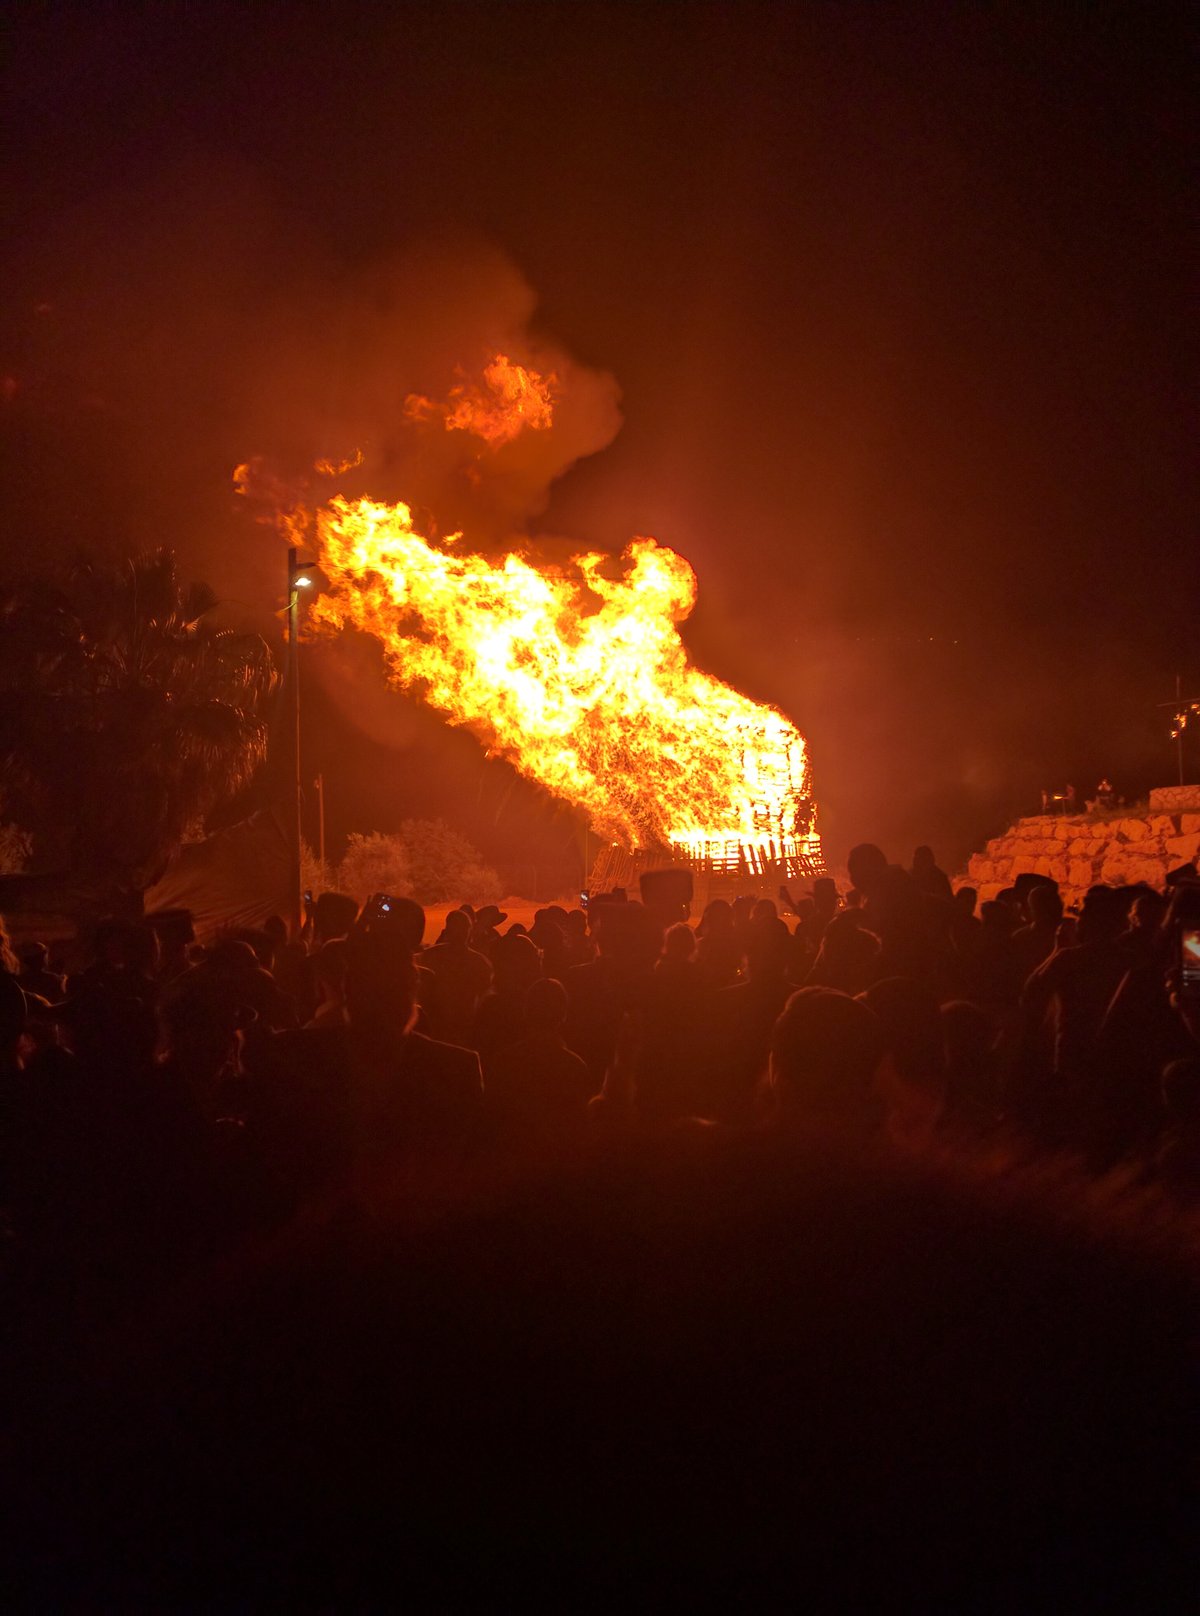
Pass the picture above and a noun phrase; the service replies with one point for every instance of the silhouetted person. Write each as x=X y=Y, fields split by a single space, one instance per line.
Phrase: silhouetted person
x=993 y=974
x=407 y=1088
x=459 y=976
x=744 y=1015
x=913 y=928
x=333 y=916
x=717 y=955
x=973 y=1095
x=500 y=1017
x=548 y=934
x=674 y=1035
x=537 y=1085
x=176 y=933
x=330 y=965
x=34 y=975
x=1145 y=939
x=231 y=976
x=926 y=876
x=825 y=905
x=912 y=1080
x=1036 y=942
x=1075 y=987
x=615 y=983
x=848 y=958
x=1177 y=1163
x=826 y=1049
x=581 y=950
x=485 y=932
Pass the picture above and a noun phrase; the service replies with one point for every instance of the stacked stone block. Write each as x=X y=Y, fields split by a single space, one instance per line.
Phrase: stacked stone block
x=1080 y=850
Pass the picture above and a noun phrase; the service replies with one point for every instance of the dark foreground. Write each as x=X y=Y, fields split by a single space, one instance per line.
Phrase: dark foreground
x=700 y=1370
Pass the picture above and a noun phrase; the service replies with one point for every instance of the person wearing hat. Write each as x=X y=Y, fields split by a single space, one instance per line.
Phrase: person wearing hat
x=484 y=935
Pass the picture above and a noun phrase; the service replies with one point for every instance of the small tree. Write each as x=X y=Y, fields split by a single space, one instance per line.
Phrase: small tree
x=375 y=863
x=446 y=867
x=125 y=716
x=316 y=875
x=425 y=859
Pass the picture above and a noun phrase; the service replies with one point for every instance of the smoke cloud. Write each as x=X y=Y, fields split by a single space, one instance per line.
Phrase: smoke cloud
x=162 y=336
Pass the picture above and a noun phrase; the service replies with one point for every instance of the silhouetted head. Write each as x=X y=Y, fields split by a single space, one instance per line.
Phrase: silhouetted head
x=923 y=860
x=768 y=948
x=33 y=956
x=490 y=915
x=627 y=935
x=261 y=943
x=517 y=964
x=381 y=986
x=868 y=867
x=679 y=944
x=458 y=927
x=825 y=1050
x=334 y=915
x=1103 y=915
x=717 y=917
x=275 y=927
x=404 y=921
x=576 y=923
x=229 y=956
x=545 y=1005
x=912 y=1027
x=999 y=919
x=1045 y=905
x=825 y=895
x=1148 y=910
x=966 y=898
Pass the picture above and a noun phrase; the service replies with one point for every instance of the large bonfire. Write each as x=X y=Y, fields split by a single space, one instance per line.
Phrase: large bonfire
x=575 y=673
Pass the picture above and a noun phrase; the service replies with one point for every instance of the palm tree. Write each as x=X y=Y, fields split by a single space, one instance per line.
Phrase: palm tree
x=126 y=718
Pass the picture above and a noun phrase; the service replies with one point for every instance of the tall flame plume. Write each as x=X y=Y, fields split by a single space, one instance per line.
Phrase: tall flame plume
x=576 y=676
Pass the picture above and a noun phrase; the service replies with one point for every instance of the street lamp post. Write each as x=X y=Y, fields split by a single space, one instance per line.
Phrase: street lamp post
x=298 y=578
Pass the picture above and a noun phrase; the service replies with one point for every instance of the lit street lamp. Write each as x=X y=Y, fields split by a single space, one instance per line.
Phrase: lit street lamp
x=301 y=575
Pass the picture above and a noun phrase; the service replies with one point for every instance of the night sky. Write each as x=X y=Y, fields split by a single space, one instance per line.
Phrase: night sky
x=898 y=300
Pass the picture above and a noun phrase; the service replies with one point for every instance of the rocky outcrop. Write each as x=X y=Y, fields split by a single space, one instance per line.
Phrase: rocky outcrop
x=1084 y=850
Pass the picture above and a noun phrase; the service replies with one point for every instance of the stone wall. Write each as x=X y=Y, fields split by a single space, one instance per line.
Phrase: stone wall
x=1175 y=800
x=1081 y=850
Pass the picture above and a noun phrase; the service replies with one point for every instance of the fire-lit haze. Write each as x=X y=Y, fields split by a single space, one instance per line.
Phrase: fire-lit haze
x=895 y=304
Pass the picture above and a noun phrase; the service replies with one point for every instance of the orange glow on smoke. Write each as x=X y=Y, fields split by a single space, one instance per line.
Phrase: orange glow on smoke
x=576 y=674
x=507 y=400
x=335 y=468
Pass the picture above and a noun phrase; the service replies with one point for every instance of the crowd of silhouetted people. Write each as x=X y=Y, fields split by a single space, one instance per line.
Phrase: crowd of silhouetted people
x=167 y=1103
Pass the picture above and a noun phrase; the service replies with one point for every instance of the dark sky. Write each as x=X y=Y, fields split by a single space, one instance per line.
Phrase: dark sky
x=899 y=301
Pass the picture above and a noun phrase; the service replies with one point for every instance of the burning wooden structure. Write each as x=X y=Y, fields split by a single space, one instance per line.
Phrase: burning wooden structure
x=724 y=869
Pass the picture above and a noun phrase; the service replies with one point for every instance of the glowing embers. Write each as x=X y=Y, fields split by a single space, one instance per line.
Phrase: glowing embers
x=576 y=674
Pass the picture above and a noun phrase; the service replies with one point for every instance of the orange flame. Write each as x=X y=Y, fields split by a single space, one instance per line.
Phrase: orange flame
x=508 y=399
x=578 y=678
x=334 y=468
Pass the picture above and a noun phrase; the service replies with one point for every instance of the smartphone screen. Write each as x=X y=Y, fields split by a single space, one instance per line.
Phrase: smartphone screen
x=583 y=900
x=1189 y=959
